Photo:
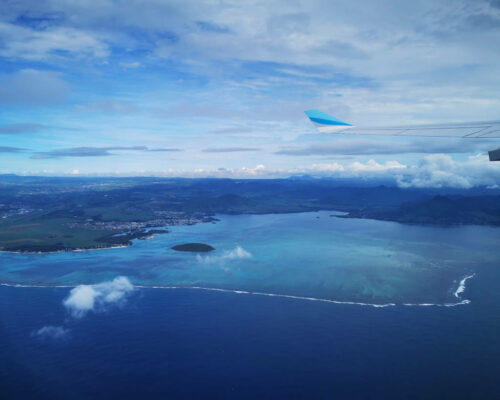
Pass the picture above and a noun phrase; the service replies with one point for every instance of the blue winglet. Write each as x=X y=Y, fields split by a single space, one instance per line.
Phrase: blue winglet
x=324 y=119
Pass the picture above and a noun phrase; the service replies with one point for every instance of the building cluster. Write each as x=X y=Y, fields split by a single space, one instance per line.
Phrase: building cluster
x=167 y=218
x=14 y=209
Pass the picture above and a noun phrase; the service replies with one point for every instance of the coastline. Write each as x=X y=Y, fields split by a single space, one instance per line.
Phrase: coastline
x=66 y=250
x=81 y=249
x=211 y=218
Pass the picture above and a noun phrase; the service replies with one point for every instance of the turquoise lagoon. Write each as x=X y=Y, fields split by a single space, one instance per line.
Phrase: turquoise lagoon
x=313 y=255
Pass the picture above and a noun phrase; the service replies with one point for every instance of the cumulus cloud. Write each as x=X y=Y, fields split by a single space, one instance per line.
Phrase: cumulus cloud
x=96 y=298
x=436 y=170
x=51 y=332
x=88 y=298
x=440 y=170
x=237 y=253
x=252 y=68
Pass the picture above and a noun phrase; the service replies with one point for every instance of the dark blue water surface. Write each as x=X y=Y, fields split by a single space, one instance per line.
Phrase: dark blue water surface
x=173 y=343
x=187 y=343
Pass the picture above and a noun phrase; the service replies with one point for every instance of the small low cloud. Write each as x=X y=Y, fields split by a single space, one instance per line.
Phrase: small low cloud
x=97 y=298
x=440 y=170
x=88 y=298
x=237 y=253
x=51 y=332
x=229 y=149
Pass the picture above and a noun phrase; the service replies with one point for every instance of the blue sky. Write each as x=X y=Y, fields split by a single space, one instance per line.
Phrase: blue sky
x=190 y=88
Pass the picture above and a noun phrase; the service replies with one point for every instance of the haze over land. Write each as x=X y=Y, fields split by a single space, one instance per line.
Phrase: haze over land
x=40 y=214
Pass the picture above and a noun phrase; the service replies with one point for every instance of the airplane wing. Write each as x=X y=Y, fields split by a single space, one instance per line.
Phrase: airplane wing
x=327 y=124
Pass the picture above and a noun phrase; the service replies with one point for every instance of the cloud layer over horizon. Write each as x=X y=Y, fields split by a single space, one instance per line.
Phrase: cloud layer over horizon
x=211 y=86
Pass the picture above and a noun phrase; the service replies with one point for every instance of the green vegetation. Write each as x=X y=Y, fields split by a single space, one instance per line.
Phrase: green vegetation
x=38 y=234
x=54 y=214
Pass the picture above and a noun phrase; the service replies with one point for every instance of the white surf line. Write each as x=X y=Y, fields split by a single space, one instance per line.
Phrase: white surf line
x=36 y=286
x=287 y=296
x=463 y=302
x=41 y=253
x=461 y=286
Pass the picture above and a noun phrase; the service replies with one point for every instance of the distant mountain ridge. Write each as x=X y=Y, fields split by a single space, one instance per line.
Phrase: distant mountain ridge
x=440 y=210
x=52 y=214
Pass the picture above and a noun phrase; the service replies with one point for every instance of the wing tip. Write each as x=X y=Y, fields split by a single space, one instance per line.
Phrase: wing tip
x=323 y=119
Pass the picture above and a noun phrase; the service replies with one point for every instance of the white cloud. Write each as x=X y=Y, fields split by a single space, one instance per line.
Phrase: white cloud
x=51 y=332
x=85 y=298
x=373 y=166
x=436 y=170
x=440 y=170
x=51 y=43
x=237 y=253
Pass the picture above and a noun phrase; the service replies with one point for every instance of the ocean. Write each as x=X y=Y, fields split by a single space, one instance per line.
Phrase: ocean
x=288 y=306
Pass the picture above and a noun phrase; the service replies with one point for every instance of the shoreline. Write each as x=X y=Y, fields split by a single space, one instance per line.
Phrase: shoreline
x=213 y=219
x=81 y=249
x=65 y=251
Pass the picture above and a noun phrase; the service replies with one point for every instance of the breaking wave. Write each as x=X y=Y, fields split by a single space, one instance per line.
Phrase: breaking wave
x=457 y=293
x=461 y=286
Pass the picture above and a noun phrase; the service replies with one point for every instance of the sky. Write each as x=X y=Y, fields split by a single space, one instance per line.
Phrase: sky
x=219 y=88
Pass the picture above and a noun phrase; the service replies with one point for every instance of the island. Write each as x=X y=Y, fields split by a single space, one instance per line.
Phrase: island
x=193 y=247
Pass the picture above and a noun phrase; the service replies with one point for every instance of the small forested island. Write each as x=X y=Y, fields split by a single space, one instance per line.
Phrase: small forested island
x=47 y=214
x=193 y=247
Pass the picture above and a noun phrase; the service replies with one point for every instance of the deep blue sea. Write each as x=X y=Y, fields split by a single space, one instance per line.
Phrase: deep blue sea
x=359 y=309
